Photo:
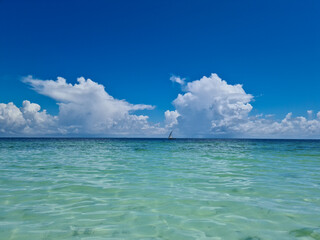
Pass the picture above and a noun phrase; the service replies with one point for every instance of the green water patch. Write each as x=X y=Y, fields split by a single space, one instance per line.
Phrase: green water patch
x=313 y=233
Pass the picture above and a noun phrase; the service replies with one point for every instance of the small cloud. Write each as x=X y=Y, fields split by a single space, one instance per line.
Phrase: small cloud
x=177 y=79
x=269 y=115
x=288 y=116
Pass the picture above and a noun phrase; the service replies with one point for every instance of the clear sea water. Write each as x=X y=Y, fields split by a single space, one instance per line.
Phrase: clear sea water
x=159 y=189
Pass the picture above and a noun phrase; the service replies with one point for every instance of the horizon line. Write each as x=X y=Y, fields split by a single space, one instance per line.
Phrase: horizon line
x=162 y=138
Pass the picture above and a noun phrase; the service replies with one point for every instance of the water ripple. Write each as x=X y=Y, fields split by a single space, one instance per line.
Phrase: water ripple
x=159 y=189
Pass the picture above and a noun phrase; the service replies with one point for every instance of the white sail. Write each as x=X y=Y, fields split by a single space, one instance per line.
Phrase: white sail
x=170 y=135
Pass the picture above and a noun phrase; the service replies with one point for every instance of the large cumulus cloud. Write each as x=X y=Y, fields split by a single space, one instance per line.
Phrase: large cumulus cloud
x=210 y=107
x=87 y=107
x=84 y=108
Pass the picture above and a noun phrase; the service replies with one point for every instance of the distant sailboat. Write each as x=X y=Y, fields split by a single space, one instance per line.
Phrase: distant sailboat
x=170 y=136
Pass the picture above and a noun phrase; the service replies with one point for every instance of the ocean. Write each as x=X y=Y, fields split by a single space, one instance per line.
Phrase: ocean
x=159 y=189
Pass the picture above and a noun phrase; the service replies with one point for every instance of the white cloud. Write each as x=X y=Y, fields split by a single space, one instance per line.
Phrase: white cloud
x=289 y=127
x=11 y=118
x=171 y=118
x=84 y=108
x=88 y=108
x=177 y=79
x=210 y=107
x=27 y=120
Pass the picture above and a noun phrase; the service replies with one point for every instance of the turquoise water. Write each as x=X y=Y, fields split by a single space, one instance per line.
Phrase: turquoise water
x=159 y=189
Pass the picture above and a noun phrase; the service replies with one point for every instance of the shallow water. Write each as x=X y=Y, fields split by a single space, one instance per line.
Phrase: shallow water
x=159 y=189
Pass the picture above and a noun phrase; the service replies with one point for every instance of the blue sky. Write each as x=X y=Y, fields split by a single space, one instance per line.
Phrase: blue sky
x=132 y=48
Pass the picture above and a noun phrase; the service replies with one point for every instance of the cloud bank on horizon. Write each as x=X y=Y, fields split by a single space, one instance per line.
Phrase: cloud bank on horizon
x=212 y=107
x=208 y=107
x=84 y=108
